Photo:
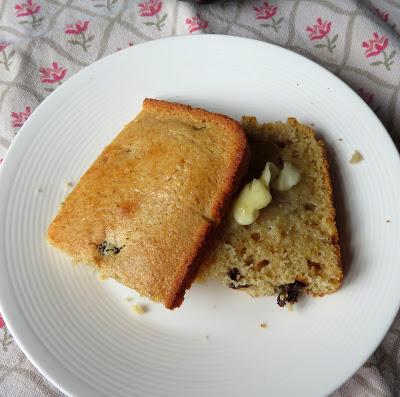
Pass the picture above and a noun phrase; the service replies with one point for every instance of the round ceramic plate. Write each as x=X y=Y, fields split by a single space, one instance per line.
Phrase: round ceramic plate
x=81 y=333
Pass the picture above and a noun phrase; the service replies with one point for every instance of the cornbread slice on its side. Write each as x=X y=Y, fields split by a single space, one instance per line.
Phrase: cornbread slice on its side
x=293 y=244
x=144 y=209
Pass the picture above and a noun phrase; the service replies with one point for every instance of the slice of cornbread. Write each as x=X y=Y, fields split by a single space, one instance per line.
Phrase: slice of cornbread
x=293 y=244
x=143 y=211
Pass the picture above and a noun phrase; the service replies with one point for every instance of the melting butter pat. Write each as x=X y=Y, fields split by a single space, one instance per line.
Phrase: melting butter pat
x=254 y=196
x=287 y=178
x=271 y=171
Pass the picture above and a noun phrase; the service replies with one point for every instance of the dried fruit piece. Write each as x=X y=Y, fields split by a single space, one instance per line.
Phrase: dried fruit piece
x=289 y=293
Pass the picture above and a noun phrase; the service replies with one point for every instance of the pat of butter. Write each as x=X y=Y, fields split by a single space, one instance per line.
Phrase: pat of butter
x=287 y=178
x=254 y=196
x=271 y=171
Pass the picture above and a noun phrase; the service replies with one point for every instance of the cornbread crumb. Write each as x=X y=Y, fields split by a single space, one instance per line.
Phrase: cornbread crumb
x=292 y=248
x=101 y=277
x=263 y=325
x=68 y=185
x=289 y=306
x=129 y=299
x=356 y=157
x=138 y=309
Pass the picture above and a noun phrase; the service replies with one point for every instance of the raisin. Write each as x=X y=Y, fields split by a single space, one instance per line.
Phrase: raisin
x=234 y=274
x=289 y=293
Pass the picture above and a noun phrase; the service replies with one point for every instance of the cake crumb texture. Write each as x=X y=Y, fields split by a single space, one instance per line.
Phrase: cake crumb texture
x=294 y=241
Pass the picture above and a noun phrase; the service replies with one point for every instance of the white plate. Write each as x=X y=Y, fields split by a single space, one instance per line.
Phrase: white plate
x=81 y=333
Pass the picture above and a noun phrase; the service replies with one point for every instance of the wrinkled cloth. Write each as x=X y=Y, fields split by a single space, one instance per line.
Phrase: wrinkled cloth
x=44 y=42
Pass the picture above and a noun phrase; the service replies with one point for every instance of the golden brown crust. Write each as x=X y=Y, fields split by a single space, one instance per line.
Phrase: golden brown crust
x=240 y=157
x=155 y=194
x=335 y=236
x=238 y=168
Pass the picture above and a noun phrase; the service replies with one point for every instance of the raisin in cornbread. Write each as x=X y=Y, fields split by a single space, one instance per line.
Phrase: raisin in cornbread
x=143 y=211
x=293 y=244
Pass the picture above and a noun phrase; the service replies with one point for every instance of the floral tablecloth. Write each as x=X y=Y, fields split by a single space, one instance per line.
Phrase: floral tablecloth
x=45 y=42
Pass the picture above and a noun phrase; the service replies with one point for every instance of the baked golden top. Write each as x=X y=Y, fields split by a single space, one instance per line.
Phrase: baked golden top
x=294 y=242
x=144 y=209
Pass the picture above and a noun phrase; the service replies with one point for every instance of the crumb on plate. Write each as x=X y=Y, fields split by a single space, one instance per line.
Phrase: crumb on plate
x=340 y=139
x=387 y=220
x=129 y=299
x=263 y=325
x=138 y=309
x=356 y=157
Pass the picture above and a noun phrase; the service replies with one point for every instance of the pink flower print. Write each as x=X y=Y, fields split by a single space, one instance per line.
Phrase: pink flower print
x=368 y=98
x=376 y=46
x=152 y=8
x=7 y=339
x=6 y=58
x=382 y=14
x=77 y=27
x=19 y=118
x=321 y=31
x=28 y=9
x=196 y=23
x=267 y=11
x=53 y=74
x=77 y=30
